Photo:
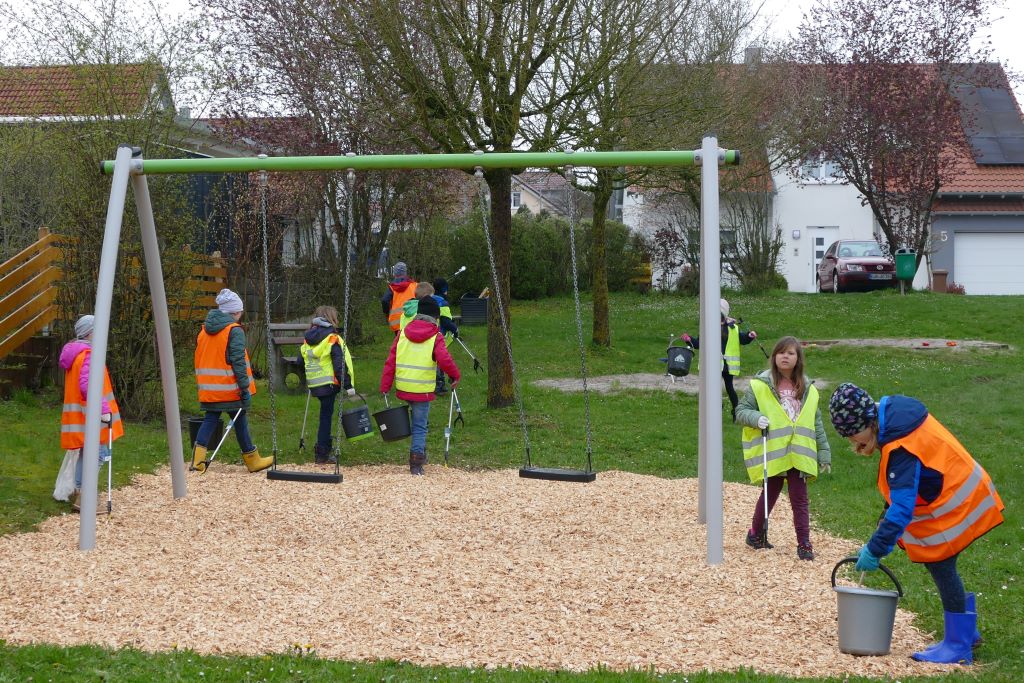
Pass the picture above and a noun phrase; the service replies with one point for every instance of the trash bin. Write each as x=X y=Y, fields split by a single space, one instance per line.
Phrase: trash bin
x=473 y=310
x=194 y=423
x=906 y=264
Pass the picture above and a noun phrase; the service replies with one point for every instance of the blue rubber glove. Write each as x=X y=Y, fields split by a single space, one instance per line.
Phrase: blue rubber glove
x=866 y=562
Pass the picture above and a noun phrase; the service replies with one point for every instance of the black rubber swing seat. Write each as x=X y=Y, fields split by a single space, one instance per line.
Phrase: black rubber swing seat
x=297 y=475
x=555 y=474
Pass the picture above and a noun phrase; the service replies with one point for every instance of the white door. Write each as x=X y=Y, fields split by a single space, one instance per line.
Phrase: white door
x=822 y=236
x=989 y=262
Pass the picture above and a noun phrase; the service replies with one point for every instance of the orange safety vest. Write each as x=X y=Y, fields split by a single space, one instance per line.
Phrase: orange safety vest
x=72 y=419
x=398 y=300
x=966 y=509
x=214 y=375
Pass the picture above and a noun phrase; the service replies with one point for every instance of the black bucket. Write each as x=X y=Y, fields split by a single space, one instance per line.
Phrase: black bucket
x=194 y=423
x=394 y=423
x=679 y=359
x=356 y=421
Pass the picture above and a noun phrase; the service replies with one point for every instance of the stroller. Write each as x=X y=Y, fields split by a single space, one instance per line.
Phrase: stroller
x=678 y=358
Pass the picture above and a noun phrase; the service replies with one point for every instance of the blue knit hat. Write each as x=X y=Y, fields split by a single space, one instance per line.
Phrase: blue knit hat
x=852 y=409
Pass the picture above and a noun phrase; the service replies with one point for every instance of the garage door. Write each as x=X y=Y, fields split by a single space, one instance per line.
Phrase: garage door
x=989 y=262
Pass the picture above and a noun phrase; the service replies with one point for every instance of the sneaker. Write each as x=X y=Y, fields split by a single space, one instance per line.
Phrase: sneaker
x=805 y=552
x=322 y=455
x=759 y=541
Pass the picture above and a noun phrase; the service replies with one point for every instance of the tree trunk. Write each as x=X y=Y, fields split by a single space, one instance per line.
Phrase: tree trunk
x=602 y=333
x=499 y=369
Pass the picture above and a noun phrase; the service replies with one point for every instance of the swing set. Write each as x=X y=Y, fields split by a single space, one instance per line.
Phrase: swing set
x=128 y=167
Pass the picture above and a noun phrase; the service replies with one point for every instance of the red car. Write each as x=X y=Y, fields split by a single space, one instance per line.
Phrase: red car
x=855 y=265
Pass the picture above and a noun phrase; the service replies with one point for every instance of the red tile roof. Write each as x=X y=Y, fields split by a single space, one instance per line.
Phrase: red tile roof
x=78 y=90
x=979 y=206
x=972 y=178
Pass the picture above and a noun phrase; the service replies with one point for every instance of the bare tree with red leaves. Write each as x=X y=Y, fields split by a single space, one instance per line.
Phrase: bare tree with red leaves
x=877 y=77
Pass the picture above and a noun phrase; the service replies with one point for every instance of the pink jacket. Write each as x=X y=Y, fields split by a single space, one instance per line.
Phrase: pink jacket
x=419 y=331
x=67 y=358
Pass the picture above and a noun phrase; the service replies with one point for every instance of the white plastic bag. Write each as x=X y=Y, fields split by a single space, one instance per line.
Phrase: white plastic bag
x=65 y=485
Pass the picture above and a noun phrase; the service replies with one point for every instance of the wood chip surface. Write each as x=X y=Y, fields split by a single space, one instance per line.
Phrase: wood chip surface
x=458 y=568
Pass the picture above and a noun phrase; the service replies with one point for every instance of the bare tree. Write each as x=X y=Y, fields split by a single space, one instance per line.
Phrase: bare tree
x=876 y=77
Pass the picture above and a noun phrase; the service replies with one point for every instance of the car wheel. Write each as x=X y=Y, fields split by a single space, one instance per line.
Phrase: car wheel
x=835 y=282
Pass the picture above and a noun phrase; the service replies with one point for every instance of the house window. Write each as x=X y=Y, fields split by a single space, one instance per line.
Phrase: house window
x=815 y=168
x=517 y=198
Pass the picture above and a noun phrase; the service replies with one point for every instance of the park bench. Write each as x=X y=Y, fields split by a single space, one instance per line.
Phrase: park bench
x=281 y=335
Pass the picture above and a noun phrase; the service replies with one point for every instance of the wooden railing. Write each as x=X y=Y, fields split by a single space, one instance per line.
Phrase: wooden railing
x=28 y=291
x=29 y=285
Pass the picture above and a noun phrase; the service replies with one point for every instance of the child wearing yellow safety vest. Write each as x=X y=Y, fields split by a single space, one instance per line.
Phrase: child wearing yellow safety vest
x=328 y=370
x=411 y=366
x=732 y=339
x=783 y=401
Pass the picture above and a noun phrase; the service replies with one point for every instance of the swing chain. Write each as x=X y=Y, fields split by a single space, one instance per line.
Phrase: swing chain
x=266 y=305
x=579 y=316
x=484 y=213
x=350 y=176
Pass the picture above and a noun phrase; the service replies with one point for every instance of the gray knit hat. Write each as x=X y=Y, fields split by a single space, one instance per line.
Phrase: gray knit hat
x=84 y=326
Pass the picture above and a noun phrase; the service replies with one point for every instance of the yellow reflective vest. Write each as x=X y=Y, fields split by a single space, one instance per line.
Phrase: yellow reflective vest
x=319 y=367
x=415 y=367
x=791 y=443
x=731 y=357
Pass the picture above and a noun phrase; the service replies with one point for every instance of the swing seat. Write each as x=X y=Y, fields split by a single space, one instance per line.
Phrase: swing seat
x=296 y=475
x=555 y=474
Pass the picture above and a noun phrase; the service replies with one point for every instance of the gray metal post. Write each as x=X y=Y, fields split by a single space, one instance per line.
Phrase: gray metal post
x=161 y=320
x=710 y=350
x=98 y=360
x=702 y=436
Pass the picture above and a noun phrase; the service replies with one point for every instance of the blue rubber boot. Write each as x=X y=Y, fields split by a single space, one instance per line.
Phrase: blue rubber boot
x=955 y=647
x=972 y=606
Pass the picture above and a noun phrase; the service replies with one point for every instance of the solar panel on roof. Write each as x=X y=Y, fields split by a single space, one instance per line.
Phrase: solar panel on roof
x=994 y=129
x=987 y=150
x=1013 y=149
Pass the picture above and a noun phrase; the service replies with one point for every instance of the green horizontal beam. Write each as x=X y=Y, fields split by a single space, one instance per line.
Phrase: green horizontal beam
x=417 y=161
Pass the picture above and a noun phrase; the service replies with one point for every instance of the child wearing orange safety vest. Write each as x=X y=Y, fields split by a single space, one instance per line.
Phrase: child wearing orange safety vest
x=74 y=360
x=939 y=500
x=225 y=381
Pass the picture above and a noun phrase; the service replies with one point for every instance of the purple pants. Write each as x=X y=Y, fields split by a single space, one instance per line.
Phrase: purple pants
x=797 y=500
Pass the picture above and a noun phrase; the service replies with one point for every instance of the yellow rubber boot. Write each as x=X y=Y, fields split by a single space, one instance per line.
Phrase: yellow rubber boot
x=199 y=458
x=255 y=462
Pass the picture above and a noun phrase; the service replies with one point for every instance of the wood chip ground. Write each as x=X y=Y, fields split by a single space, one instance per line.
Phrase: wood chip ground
x=457 y=568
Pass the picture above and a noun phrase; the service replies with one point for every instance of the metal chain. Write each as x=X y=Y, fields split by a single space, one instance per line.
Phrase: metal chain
x=579 y=315
x=484 y=213
x=266 y=305
x=351 y=177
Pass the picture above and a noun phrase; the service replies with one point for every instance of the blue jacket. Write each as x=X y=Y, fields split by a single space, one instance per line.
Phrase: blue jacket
x=447 y=324
x=908 y=478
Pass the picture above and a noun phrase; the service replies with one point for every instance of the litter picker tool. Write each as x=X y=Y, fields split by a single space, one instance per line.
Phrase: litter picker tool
x=764 y=477
x=302 y=437
x=767 y=357
x=454 y=407
x=231 y=423
x=476 y=363
x=457 y=272
x=110 y=464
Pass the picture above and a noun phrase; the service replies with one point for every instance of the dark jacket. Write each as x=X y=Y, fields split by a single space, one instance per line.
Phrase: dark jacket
x=217 y=320
x=908 y=478
x=727 y=324
x=313 y=336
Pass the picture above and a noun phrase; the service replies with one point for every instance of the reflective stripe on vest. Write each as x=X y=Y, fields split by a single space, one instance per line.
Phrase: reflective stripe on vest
x=215 y=377
x=967 y=507
x=731 y=356
x=790 y=443
x=398 y=300
x=72 y=418
x=415 y=368
x=319 y=368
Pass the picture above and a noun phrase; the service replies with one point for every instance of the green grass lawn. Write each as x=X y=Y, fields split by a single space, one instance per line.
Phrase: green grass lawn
x=975 y=394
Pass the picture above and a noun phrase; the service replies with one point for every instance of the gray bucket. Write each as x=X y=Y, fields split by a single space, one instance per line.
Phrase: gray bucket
x=866 y=615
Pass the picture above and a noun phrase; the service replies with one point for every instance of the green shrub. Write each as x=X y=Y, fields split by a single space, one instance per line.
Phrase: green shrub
x=764 y=282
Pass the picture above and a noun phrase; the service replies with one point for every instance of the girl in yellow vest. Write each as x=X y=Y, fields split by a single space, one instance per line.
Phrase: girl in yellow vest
x=224 y=378
x=411 y=367
x=74 y=360
x=939 y=500
x=784 y=401
x=732 y=339
x=328 y=371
